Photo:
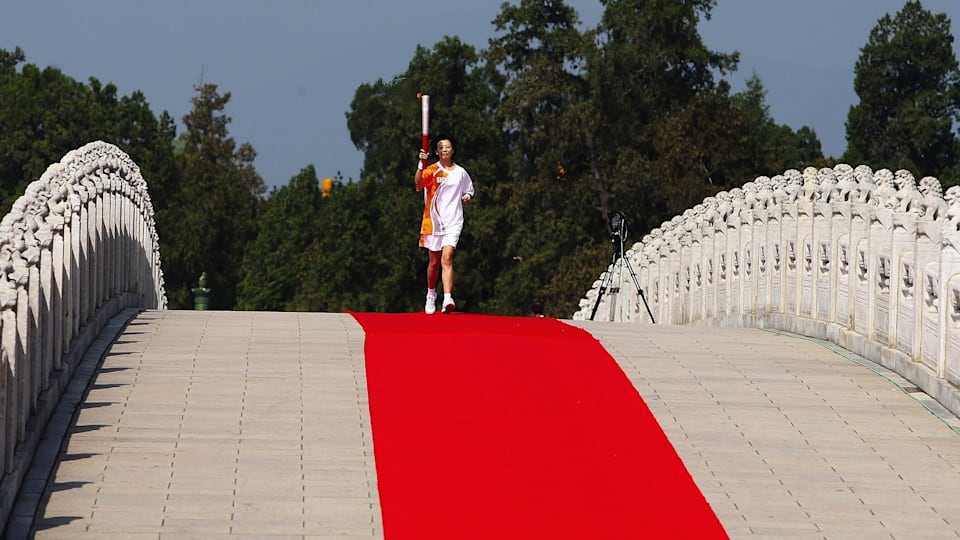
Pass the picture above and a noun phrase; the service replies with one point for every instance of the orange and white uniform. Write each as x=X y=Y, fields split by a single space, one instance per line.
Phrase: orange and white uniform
x=443 y=191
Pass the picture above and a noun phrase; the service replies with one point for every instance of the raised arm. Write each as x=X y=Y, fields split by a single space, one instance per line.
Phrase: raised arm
x=418 y=178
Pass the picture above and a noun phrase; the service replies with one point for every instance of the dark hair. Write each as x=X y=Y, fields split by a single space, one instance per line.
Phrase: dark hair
x=444 y=137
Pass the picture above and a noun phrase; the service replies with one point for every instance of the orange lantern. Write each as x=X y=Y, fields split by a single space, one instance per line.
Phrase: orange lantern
x=327 y=186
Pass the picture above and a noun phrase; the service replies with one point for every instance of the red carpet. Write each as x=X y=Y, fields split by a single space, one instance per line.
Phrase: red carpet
x=504 y=427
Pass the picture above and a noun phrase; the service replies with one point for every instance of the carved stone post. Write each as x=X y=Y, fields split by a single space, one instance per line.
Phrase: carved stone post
x=806 y=245
x=695 y=232
x=735 y=253
x=686 y=281
x=791 y=254
x=652 y=254
x=708 y=248
x=861 y=259
x=841 y=218
x=721 y=257
x=55 y=223
x=824 y=250
x=774 y=257
x=905 y=298
x=881 y=244
x=9 y=345
x=675 y=304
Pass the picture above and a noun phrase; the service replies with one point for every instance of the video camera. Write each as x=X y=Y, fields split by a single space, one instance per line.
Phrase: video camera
x=618 y=227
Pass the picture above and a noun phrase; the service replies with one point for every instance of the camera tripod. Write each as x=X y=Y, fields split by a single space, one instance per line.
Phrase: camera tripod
x=618 y=241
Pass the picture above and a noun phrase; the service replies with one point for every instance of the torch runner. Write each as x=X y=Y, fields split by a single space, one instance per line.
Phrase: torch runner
x=446 y=188
x=424 y=124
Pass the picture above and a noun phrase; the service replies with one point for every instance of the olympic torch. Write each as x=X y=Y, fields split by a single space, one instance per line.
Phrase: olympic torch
x=424 y=124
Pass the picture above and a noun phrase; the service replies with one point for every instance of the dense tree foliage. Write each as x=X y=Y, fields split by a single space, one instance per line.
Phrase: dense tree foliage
x=289 y=225
x=44 y=114
x=204 y=190
x=558 y=125
x=908 y=82
x=212 y=216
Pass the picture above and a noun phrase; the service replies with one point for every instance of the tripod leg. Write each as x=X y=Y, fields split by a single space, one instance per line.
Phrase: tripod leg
x=636 y=282
x=607 y=278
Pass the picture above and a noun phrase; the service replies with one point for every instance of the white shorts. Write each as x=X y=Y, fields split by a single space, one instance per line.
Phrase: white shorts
x=435 y=242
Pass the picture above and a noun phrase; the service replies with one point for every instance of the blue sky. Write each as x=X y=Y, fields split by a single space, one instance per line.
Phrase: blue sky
x=292 y=66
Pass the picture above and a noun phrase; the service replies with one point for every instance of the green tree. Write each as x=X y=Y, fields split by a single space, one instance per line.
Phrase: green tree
x=548 y=119
x=651 y=65
x=213 y=212
x=275 y=263
x=908 y=82
x=339 y=263
x=591 y=119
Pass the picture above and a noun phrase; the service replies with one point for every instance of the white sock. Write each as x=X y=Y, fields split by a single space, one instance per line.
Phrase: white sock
x=432 y=291
x=447 y=297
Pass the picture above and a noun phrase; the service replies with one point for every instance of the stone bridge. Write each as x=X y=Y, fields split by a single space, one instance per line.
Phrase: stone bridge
x=864 y=263
x=869 y=260
x=77 y=248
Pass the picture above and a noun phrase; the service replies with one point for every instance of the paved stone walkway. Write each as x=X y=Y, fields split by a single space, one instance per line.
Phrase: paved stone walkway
x=255 y=425
x=212 y=424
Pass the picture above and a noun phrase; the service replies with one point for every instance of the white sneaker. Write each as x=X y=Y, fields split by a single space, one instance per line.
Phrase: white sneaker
x=431 y=306
x=449 y=306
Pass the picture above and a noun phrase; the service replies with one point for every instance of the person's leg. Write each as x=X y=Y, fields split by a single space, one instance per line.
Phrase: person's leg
x=433 y=272
x=446 y=261
x=433 y=269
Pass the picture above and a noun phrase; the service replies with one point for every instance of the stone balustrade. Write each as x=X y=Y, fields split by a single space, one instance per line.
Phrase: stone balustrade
x=867 y=260
x=77 y=248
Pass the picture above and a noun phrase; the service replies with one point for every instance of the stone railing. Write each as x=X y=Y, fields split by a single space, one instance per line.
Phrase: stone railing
x=868 y=260
x=76 y=249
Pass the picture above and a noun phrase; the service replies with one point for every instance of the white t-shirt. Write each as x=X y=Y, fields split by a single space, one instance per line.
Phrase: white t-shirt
x=443 y=189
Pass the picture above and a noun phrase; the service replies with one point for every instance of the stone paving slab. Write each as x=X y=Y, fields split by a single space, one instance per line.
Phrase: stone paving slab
x=255 y=425
x=792 y=437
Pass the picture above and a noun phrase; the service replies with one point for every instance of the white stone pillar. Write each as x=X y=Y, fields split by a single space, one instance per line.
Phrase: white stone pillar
x=881 y=239
x=806 y=266
x=721 y=269
x=686 y=277
x=748 y=262
x=906 y=301
x=761 y=250
x=844 y=261
x=824 y=261
x=774 y=257
x=929 y=328
x=55 y=221
x=47 y=333
x=791 y=255
x=654 y=262
x=863 y=269
x=696 y=272
x=11 y=368
x=735 y=254
x=23 y=372
x=673 y=304
x=76 y=278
